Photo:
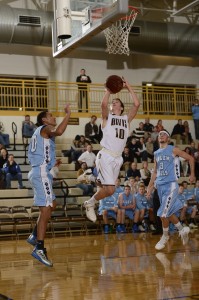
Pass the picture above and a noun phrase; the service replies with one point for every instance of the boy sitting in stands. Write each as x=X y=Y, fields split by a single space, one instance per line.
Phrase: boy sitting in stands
x=145 y=209
x=189 y=207
x=108 y=209
x=126 y=207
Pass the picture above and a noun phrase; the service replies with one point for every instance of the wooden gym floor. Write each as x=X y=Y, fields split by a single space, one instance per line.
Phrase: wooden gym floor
x=99 y=267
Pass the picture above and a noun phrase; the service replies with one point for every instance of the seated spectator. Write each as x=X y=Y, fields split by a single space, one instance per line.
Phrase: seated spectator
x=178 y=133
x=150 y=149
x=81 y=146
x=145 y=210
x=188 y=192
x=126 y=207
x=133 y=183
x=142 y=150
x=145 y=173
x=159 y=126
x=196 y=191
x=4 y=137
x=138 y=132
x=148 y=127
x=193 y=148
x=88 y=156
x=118 y=188
x=91 y=130
x=185 y=167
x=84 y=180
x=187 y=133
x=3 y=160
x=189 y=209
x=12 y=172
x=133 y=172
x=108 y=208
x=154 y=134
x=127 y=158
x=28 y=128
x=134 y=147
x=77 y=148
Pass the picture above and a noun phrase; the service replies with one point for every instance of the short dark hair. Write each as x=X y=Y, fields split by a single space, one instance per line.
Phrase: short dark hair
x=122 y=104
x=40 y=116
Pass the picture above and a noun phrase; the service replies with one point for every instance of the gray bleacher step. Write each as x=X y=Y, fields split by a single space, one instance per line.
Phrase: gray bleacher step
x=16 y=193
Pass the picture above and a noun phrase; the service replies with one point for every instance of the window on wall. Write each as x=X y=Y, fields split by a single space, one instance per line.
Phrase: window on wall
x=169 y=99
x=23 y=93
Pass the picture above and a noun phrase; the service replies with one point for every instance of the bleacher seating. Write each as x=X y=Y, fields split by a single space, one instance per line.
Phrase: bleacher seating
x=69 y=217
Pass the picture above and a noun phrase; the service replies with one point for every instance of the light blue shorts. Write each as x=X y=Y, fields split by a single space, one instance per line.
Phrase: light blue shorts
x=41 y=181
x=111 y=214
x=169 y=202
x=129 y=213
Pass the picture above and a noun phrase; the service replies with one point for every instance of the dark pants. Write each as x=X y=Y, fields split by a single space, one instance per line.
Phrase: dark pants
x=196 y=125
x=83 y=96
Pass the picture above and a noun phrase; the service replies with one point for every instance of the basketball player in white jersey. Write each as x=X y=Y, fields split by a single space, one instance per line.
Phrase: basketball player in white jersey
x=115 y=128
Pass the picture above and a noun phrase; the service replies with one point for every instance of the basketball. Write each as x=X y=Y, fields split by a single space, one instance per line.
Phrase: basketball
x=114 y=83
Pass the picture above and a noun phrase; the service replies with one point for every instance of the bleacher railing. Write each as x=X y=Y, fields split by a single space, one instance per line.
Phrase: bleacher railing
x=30 y=96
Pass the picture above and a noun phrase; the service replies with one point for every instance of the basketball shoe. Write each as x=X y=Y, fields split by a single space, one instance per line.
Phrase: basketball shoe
x=32 y=240
x=184 y=234
x=41 y=255
x=162 y=242
x=90 y=211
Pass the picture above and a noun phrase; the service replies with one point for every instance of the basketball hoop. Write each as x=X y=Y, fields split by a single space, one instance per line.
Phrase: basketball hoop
x=117 y=34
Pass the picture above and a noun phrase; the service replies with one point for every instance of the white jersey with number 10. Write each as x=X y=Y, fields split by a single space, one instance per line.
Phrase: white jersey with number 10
x=115 y=133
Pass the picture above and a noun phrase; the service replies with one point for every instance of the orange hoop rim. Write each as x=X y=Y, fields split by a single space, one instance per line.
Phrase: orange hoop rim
x=129 y=17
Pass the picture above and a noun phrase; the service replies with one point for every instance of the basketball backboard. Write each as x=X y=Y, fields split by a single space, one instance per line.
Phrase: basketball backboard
x=77 y=21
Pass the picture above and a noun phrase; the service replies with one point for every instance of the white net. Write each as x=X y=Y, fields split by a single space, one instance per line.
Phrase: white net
x=117 y=35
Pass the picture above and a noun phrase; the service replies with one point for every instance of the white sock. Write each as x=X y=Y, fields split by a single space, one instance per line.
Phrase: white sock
x=166 y=231
x=92 y=200
x=178 y=226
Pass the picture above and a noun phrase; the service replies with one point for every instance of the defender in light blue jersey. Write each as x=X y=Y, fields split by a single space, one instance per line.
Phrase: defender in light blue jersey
x=165 y=176
x=41 y=155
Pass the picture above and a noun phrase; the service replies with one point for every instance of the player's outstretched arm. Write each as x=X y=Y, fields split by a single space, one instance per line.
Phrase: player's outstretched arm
x=62 y=126
x=136 y=103
x=104 y=104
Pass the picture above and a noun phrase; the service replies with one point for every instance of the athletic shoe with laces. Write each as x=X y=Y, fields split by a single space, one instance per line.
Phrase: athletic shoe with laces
x=32 y=240
x=193 y=226
x=106 y=229
x=184 y=234
x=90 y=211
x=41 y=255
x=152 y=228
x=162 y=242
x=141 y=228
